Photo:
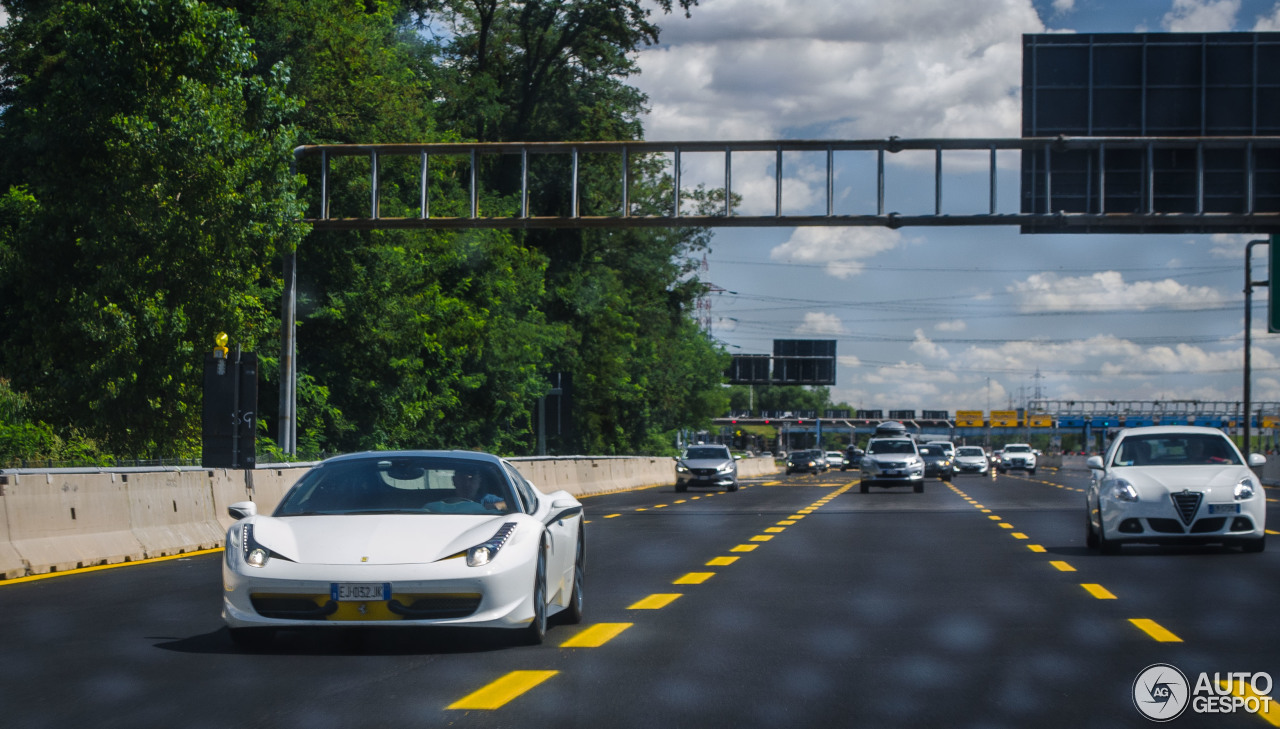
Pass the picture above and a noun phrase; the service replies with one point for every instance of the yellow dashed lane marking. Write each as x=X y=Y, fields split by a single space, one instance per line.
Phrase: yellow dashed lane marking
x=775 y=530
x=762 y=537
x=694 y=578
x=1155 y=630
x=656 y=601
x=498 y=693
x=596 y=635
x=612 y=516
x=1062 y=566
x=1020 y=535
x=1035 y=548
x=786 y=522
x=722 y=561
x=1005 y=525
x=1098 y=591
x=744 y=548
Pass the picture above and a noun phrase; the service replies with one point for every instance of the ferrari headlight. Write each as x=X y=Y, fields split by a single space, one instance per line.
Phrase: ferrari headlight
x=1244 y=489
x=255 y=555
x=1122 y=490
x=482 y=554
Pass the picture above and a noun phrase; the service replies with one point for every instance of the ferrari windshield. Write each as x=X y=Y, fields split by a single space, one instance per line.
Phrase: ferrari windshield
x=400 y=485
x=877 y=447
x=1176 y=449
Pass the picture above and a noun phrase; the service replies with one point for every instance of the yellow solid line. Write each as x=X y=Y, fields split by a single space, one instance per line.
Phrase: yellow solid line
x=498 y=693
x=1098 y=591
x=762 y=537
x=744 y=548
x=1062 y=566
x=1155 y=630
x=655 y=602
x=722 y=561
x=596 y=635
x=1269 y=713
x=1035 y=547
x=694 y=578
x=97 y=567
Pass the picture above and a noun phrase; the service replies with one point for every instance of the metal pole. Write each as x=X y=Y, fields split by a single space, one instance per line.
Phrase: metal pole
x=1249 y=283
x=287 y=418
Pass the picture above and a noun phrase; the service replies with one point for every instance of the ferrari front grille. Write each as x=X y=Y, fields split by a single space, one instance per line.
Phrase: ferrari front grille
x=1188 y=504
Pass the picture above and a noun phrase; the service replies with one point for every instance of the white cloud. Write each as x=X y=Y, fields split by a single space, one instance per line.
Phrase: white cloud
x=924 y=347
x=1061 y=7
x=1201 y=16
x=1265 y=23
x=819 y=323
x=955 y=325
x=844 y=250
x=853 y=69
x=1050 y=292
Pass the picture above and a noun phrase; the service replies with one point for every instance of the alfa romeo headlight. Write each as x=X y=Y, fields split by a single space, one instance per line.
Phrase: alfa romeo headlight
x=1244 y=489
x=1122 y=490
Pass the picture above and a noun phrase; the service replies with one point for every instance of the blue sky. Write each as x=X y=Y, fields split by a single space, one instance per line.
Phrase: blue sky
x=948 y=318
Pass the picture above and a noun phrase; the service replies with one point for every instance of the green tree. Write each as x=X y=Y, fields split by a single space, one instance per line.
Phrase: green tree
x=406 y=339
x=545 y=70
x=150 y=165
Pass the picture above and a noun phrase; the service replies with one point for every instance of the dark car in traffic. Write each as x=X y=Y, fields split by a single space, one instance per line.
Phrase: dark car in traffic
x=852 y=458
x=807 y=461
x=937 y=462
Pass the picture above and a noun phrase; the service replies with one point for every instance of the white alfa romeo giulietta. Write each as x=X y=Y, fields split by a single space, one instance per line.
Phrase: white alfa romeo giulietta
x=1175 y=485
x=405 y=538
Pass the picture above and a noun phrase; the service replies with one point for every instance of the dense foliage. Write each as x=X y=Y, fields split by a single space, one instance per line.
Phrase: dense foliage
x=146 y=200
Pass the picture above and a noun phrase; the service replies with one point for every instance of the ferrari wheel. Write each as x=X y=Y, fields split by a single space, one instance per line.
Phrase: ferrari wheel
x=537 y=630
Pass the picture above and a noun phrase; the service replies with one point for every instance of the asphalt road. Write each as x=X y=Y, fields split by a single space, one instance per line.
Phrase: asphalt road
x=798 y=602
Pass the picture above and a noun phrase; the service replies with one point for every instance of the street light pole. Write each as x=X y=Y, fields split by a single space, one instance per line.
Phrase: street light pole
x=1249 y=284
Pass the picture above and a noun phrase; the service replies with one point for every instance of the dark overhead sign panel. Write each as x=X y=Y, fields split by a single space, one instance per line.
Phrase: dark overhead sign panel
x=1150 y=85
x=804 y=361
x=750 y=369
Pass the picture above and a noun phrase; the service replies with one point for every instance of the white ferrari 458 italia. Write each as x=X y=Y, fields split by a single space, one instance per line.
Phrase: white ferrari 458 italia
x=1175 y=485
x=405 y=538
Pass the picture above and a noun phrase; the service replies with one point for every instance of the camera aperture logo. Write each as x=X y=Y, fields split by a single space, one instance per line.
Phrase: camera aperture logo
x=1161 y=692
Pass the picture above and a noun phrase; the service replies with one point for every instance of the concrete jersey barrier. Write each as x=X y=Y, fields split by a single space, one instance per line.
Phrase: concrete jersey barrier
x=61 y=519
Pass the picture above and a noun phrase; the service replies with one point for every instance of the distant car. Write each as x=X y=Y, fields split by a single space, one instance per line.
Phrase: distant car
x=852 y=458
x=892 y=462
x=707 y=465
x=971 y=459
x=835 y=459
x=1175 y=485
x=936 y=461
x=804 y=462
x=404 y=539
x=1018 y=456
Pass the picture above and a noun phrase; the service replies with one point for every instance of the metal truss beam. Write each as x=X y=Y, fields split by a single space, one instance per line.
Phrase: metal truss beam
x=1083 y=161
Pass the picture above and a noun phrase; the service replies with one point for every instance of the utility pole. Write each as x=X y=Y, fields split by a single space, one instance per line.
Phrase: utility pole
x=1249 y=285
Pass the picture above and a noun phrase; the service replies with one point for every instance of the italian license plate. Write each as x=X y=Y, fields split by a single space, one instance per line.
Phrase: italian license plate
x=1224 y=508
x=891 y=472
x=347 y=591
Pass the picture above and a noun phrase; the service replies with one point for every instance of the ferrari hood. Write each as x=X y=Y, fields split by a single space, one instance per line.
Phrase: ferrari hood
x=373 y=538
x=1213 y=481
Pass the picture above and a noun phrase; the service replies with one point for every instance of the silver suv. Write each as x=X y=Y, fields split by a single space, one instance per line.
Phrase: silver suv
x=892 y=462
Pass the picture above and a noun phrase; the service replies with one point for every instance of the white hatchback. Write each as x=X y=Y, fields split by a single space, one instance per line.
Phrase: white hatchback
x=1174 y=485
